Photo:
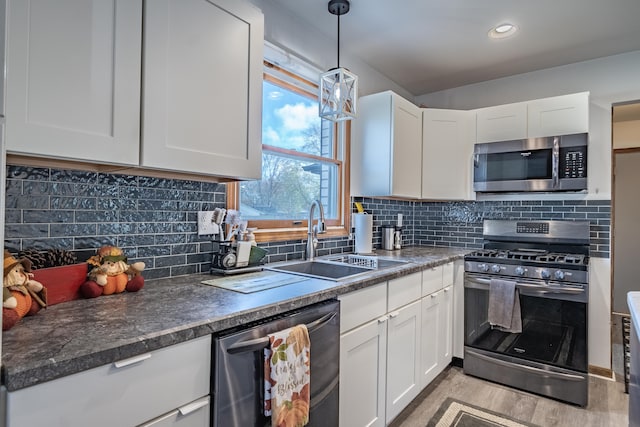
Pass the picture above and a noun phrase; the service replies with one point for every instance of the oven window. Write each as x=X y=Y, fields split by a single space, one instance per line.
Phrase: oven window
x=514 y=166
x=554 y=331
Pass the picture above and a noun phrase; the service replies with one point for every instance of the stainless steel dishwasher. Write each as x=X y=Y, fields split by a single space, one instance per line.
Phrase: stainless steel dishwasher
x=238 y=375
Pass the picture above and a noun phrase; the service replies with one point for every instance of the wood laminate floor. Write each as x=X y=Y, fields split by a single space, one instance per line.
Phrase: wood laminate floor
x=608 y=403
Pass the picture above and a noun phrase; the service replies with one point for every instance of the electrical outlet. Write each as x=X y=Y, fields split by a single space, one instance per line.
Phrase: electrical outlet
x=206 y=224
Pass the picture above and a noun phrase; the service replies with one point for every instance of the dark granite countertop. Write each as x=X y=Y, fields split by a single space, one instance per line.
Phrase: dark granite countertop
x=78 y=335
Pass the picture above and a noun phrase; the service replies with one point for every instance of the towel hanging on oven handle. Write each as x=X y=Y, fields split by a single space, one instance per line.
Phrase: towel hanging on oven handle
x=260 y=343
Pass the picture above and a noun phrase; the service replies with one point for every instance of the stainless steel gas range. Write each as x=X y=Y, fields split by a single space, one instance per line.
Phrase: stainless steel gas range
x=546 y=263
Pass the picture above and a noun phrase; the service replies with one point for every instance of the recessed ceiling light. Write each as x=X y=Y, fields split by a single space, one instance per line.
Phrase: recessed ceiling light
x=502 y=31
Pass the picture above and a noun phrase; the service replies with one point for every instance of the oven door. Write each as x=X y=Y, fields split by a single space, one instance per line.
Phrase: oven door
x=554 y=323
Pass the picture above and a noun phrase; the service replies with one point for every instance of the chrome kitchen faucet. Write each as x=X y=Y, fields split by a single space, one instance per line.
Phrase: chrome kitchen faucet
x=314 y=230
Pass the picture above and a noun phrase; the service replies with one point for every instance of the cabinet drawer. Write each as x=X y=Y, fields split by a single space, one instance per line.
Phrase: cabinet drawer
x=404 y=290
x=127 y=392
x=194 y=414
x=363 y=305
x=431 y=280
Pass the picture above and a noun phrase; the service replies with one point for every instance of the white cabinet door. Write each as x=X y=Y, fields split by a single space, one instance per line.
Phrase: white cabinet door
x=445 y=327
x=386 y=147
x=203 y=87
x=501 y=123
x=363 y=353
x=73 y=79
x=447 y=148
x=407 y=149
x=429 y=332
x=458 y=310
x=403 y=358
x=559 y=115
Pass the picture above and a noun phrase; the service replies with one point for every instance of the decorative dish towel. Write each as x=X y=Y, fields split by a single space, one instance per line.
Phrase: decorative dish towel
x=287 y=377
x=504 y=306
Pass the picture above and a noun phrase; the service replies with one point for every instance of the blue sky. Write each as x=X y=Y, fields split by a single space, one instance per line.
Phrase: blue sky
x=285 y=116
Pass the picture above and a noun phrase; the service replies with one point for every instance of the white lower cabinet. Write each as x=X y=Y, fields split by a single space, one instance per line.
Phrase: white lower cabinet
x=403 y=358
x=386 y=333
x=437 y=321
x=166 y=387
x=429 y=338
x=363 y=355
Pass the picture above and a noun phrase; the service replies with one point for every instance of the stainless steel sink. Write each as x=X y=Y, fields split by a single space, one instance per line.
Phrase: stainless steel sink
x=321 y=270
x=337 y=267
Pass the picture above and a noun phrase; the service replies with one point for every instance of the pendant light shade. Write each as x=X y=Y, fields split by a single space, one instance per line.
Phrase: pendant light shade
x=338 y=86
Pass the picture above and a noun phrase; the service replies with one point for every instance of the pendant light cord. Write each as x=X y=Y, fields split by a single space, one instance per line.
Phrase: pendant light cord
x=338 y=41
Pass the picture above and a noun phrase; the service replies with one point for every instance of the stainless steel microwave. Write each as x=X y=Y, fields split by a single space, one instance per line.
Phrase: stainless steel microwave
x=556 y=163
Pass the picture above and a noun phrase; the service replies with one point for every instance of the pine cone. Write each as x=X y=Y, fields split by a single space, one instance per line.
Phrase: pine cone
x=37 y=258
x=59 y=257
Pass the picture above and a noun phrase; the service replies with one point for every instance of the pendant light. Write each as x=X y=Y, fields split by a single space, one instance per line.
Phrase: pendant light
x=338 y=86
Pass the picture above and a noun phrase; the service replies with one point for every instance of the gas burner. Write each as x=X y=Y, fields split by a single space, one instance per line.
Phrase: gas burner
x=537 y=256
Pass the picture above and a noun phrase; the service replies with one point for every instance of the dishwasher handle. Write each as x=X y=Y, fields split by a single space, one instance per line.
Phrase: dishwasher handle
x=257 y=344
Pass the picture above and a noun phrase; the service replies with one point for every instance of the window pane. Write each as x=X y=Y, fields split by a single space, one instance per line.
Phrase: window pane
x=290 y=120
x=288 y=187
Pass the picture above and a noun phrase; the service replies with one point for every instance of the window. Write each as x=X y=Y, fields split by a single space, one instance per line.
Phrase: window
x=302 y=160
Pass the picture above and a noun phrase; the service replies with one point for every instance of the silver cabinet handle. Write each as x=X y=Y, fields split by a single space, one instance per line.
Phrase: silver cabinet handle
x=394 y=314
x=383 y=319
x=132 y=360
x=193 y=406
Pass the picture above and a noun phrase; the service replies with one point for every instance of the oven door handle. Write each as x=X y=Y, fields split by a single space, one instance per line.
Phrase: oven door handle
x=542 y=372
x=257 y=344
x=481 y=283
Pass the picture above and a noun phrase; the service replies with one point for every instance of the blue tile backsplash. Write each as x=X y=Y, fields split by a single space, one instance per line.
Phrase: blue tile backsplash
x=155 y=220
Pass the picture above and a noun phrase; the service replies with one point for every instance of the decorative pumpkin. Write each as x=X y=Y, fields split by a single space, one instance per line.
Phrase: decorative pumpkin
x=111 y=274
x=293 y=413
x=21 y=295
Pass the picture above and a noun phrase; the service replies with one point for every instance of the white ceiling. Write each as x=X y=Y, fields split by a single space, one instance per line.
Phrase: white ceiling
x=431 y=45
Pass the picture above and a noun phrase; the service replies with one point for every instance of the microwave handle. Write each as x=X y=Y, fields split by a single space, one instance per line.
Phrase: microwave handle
x=476 y=160
x=555 y=162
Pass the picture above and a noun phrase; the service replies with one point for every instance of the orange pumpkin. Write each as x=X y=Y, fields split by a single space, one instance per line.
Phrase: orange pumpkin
x=115 y=284
x=293 y=414
x=24 y=303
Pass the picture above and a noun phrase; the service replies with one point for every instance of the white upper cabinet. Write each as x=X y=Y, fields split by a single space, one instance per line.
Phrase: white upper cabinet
x=386 y=148
x=73 y=79
x=558 y=115
x=200 y=115
x=501 y=123
x=447 y=148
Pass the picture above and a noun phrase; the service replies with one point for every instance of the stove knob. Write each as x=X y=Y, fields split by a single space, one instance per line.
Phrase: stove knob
x=559 y=275
x=544 y=273
x=495 y=268
x=520 y=271
x=483 y=267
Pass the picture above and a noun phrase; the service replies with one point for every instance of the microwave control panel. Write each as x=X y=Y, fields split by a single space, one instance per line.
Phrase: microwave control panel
x=573 y=164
